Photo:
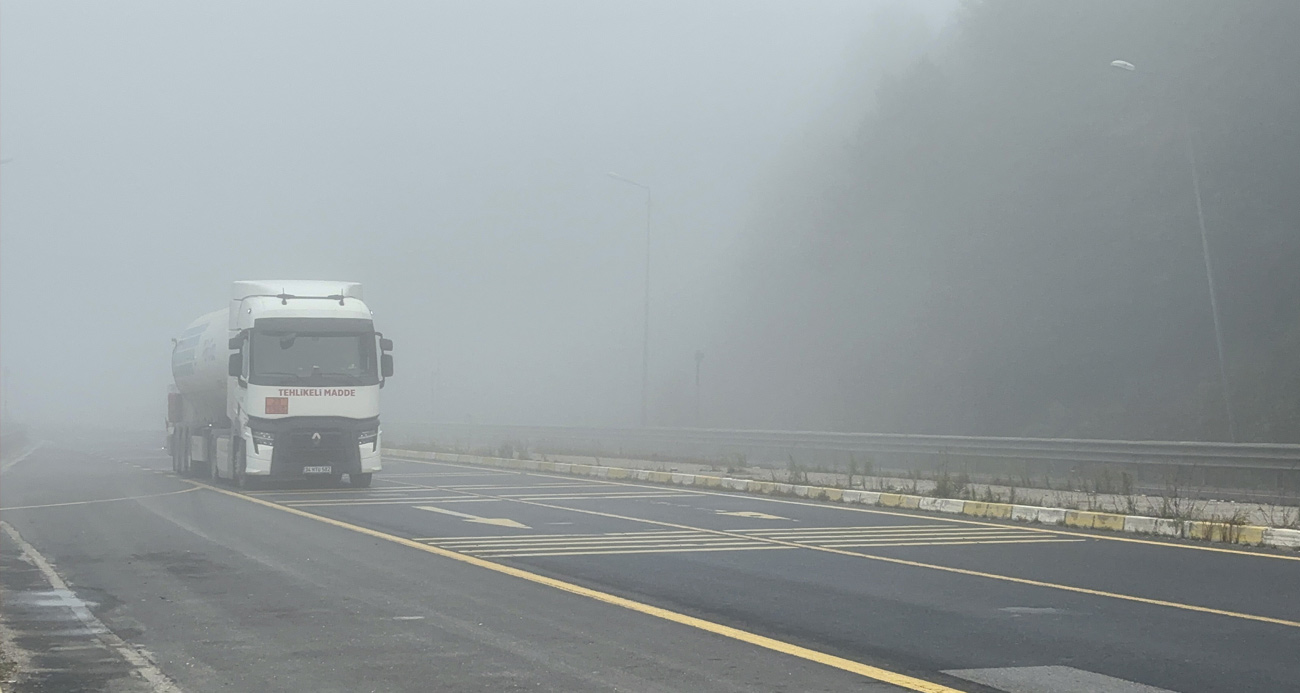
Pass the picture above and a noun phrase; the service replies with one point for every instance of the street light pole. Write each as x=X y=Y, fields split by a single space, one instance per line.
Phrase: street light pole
x=1190 y=142
x=645 y=338
x=1209 y=280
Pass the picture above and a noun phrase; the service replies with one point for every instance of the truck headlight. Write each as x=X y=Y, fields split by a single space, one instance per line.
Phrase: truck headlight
x=266 y=438
x=371 y=437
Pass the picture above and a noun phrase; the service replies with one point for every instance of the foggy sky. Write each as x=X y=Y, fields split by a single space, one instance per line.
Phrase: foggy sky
x=449 y=156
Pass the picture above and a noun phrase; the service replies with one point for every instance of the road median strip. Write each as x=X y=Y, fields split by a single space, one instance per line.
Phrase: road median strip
x=1211 y=531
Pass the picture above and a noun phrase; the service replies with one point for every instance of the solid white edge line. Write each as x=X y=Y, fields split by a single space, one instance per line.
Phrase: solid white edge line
x=144 y=665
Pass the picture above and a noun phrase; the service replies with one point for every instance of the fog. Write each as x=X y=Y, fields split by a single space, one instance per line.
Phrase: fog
x=1019 y=238
x=449 y=156
x=897 y=216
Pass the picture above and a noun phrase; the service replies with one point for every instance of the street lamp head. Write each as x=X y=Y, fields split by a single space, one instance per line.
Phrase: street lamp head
x=627 y=180
x=1123 y=65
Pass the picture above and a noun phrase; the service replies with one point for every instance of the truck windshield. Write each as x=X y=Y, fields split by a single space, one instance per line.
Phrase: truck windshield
x=312 y=358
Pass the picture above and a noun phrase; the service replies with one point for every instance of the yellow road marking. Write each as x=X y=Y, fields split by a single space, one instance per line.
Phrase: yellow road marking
x=865 y=670
x=102 y=500
x=943 y=568
x=1103 y=536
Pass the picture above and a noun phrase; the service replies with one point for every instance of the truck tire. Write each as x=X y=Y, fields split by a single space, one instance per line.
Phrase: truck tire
x=361 y=480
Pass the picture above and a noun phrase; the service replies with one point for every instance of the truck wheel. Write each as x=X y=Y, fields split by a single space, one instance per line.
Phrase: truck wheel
x=246 y=482
x=361 y=480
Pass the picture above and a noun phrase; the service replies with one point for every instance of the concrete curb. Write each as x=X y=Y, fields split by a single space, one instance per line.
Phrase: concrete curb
x=1250 y=535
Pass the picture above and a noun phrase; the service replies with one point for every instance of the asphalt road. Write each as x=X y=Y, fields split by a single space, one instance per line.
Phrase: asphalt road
x=447 y=577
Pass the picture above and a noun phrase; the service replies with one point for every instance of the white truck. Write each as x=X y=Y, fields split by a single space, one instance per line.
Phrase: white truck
x=282 y=384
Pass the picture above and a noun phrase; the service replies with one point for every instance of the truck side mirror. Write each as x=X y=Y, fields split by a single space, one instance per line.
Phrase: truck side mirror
x=385 y=344
x=236 y=367
x=386 y=365
x=236 y=342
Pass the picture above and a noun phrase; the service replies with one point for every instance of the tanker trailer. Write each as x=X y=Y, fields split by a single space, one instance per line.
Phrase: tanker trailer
x=281 y=384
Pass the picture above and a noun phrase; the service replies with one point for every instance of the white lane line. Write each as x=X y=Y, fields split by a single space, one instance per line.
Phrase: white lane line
x=498 y=521
x=1051 y=679
x=806 y=530
x=24 y=455
x=326 y=491
x=752 y=514
x=592 y=541
x=610 y=548
x=144 y=666
x=365 y=501
x=600 y=552
x=954 y=542
x=488 y=472
x=102 y=500
x=513 y=487
x=592 y=496
x=535 y=536
x=847 y=541
x=467 y=500
x=603 y=535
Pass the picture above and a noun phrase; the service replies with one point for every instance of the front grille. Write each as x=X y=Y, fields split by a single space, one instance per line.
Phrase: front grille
x=298 y=448
x=304 y=440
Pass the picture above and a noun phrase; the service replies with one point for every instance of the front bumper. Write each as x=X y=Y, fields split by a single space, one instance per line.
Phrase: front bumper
x=312 y=442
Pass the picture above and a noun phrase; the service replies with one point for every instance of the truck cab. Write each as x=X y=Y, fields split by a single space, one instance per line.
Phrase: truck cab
x=301 y=377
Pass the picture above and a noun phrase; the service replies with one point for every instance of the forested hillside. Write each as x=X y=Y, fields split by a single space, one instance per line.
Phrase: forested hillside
x=1010 y=244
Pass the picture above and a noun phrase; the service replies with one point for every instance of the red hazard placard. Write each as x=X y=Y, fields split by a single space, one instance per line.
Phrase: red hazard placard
x=277 y=405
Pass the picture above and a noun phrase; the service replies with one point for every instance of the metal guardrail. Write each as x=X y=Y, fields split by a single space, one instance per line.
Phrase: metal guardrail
x=1257 y=456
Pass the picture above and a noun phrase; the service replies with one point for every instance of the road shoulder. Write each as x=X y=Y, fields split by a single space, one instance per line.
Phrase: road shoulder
x=52 y=640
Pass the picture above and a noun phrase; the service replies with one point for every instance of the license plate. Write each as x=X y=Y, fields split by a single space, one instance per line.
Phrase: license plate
x=317 y=470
